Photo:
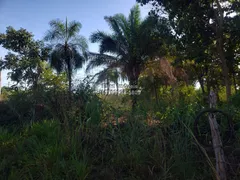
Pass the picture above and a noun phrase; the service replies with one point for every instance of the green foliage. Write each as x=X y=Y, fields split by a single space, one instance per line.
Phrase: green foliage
x=41 y=153
x=69 y=49
x=133 y=35
x=94 y=136
x=233 y=109
x=133 y=150
x=5 y=91
x=7 y=114
x=136 y=151
x=132 y=42
x=87 y=104
x=109 y=75
x=235 y=100
x=116 y=106
x=21 y=104
x=24 y=56
x=50 y=80
x=208 y=33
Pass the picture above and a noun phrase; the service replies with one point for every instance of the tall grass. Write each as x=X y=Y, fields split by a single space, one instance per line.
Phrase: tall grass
x=133 y=149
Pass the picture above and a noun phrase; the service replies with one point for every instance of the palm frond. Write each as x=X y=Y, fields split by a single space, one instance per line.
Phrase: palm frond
x=132 y=42
x=122 y=22
x=101 y=76
x=107 y=42
x=120 y=30
x=112 y=74
x=98 y=36
x=135 y=17
x=74 y=28
x=121 y=74
x=99 y=60
x=114 y=25
x=56 y=32
x=57 y=24
x=79 y=42
x=57 y=60
x=108 y=45
x=78 y=59
x=66 y=56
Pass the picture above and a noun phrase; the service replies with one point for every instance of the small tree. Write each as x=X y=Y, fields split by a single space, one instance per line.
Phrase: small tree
x=24 y=56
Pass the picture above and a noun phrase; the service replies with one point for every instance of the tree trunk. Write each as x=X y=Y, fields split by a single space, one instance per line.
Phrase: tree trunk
x=69 y=72
x=117 y=87
x=133 y=88
x=108 y=86
x=69 y=68
x=69 y=80
x=69 y=83
x=219 y=13
x=134 y=72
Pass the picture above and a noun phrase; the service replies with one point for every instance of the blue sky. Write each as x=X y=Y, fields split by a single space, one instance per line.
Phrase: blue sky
x=34 y=15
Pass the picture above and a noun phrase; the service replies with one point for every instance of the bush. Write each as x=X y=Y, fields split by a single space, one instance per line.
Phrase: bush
x=17 y=108
x=80 y=148
x=7 y=116
x=135 y=151
x=21 y=107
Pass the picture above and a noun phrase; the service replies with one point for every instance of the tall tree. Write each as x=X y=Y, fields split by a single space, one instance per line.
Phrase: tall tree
x=69 y=49
x=202 y=25
x=132 y=42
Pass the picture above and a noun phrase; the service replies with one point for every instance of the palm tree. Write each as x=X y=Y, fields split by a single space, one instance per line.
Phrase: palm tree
x=128 y=47
x=104 y=76
x=116 y=75
x=69 y=48
x=109 y=75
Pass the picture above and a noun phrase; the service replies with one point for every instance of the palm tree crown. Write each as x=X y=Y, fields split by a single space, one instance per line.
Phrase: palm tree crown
x=129 y=46
x=69 y=48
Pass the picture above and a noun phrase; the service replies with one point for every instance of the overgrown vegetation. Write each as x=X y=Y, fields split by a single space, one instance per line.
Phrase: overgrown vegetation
x=51 y=128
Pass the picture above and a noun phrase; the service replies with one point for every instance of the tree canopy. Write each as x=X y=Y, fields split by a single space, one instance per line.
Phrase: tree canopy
x=205 y=31
x=24 y=56
x=69 y=49
x=131 y=44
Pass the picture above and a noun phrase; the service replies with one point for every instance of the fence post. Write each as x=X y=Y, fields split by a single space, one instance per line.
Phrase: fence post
x=216 y=140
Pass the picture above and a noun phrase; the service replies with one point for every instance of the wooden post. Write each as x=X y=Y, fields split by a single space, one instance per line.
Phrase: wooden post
x=216 y=140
